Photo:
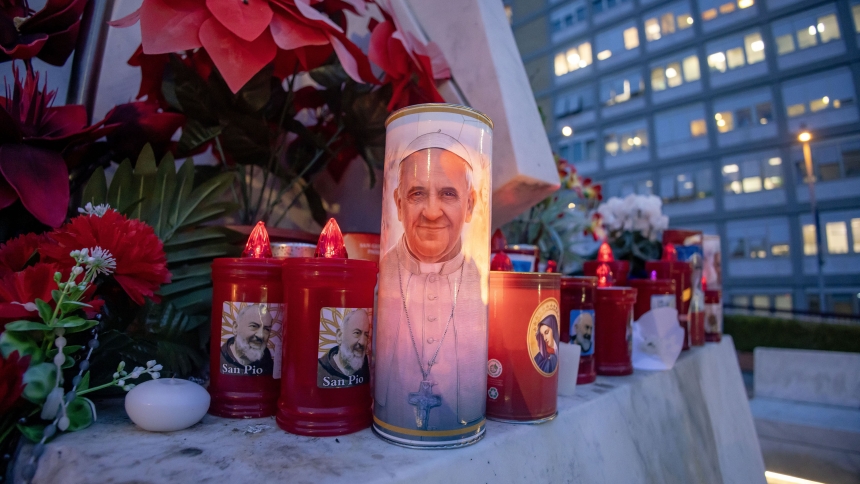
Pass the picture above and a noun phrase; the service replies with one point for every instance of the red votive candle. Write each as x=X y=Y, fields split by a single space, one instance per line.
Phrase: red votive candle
x=245 y=341
x=326 y=377
x=681 y=273
x=522 y=366
x=652 y=294
x=713 y=315
x=613 y=317
x=618 y=268
x=577 y=322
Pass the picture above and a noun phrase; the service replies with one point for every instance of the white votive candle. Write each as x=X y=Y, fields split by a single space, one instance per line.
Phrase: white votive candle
x=166 y=404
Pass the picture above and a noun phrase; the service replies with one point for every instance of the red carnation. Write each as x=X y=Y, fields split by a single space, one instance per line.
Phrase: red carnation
x=19 y=291
x=11 y=380
x=141 y=265
x=15 y=253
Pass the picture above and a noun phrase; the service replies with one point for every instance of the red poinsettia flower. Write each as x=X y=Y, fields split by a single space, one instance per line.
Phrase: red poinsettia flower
x=242 y=37
x=49 y=34
x=409 y=65
x=33 y=137
x=12 y=371
x=19 y=291
x=141 y=265
x=15 y=253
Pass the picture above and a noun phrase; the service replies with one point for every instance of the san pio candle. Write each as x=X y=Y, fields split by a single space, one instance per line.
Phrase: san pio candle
x=522 y=370
x=577 y=322
x=652 y=294
x=430 y=378
x=713 y=315
x=247 y=317
x=613 y=313
x=326 y=378
x=680 y=272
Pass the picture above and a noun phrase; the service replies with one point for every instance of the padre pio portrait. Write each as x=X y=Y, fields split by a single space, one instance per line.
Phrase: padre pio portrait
x=345 y=363
x=246 y=351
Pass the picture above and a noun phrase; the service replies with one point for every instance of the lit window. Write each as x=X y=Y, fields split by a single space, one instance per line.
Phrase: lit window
x=819 y=104
x=745 y=3
x=604 y=54
x=625 y=142
x=785 y=44
x=658 y=79
x=725 y=121
x=752 y=184
x=652 y=30
x=809 y=245
x=807 y=37
x=837 y=237
x=698 y=128
x=761 y=302
x=764 y=112
x=709 y=14
x=685 y=21
x=735 y=58
x=717 y=62
x=796 y=110
x=855 y=234
x=673 y=74
x=782 y=302
x=667 y=23
x=828 y=28
x=509 y=12
x=754 y=46
x=779 y=250
x=691 y=68
x=631 y=38
x=573 y=59
x=727 y=8
x=855 y=11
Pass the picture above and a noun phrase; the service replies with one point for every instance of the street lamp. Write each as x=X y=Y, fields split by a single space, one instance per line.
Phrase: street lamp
x=805 y=137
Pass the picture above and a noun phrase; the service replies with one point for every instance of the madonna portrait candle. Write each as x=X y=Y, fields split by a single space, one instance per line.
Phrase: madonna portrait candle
x=430 y=377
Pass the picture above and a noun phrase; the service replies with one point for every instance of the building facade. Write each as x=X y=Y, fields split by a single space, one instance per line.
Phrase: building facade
x=700 y=102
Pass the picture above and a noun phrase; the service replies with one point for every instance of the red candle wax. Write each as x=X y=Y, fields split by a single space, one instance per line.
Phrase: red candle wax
x=326 y=375
x=245 y=341
x=522 y=368
x=681 y=273
x=613 y=317
x=577 y=319
x=713 y=315
x=652 y=294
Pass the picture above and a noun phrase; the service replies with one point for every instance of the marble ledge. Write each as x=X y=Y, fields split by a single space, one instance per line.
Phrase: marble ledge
x=689 y=424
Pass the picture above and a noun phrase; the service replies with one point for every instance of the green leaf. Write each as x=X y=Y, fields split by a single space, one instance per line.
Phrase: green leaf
x=96 y=190
x=204 y=252
x=70 y=362
x=120 y=191
x=144 y=181
x=162 y=196
x=27 y=326
x=196 y=134
x=197 y=235
x=23 y=343
x=67 y=350
x=185 y=285
x=207 y=192
x=72 y=306
x=184 y=187
x=211 y=212
x=55 y=295
x=81 y=413
x=255 y=94
x=76 y=324
x=33 y=432
x=200 y=300
x=193 y=270
x=39 y=380
x=46 y=312
x=85 y=382
x=331 y=75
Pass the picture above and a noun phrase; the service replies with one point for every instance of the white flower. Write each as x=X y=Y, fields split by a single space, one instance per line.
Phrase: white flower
x=150 y=363
x=157 y=368
x=128 y=387
x=156 y=375
x=97 y=210
x=120 y=382
x=77 y=270
x=101 y=261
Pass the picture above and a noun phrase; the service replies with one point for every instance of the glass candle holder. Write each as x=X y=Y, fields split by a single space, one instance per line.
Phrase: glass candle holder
x=326 y=378
x=577 y=322
x=652 y=294
x=524 y=333
x=613 y=317
x=619 y=269
x=681 y=273
x=247 y=320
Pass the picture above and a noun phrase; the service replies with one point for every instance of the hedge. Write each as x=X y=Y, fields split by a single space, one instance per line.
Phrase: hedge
x=749 y=332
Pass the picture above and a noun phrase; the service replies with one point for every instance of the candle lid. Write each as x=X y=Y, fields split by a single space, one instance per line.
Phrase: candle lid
x=526 y=279
x=578 y=281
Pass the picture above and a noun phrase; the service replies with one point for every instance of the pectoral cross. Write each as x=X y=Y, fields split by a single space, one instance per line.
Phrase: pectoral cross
x=424 y=400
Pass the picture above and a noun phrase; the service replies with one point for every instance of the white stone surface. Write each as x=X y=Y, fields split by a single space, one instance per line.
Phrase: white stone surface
x=478 y=44
x=691 y=424
x=827 y=377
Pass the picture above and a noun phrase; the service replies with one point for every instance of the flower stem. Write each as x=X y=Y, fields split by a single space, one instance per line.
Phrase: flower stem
x=93 y=389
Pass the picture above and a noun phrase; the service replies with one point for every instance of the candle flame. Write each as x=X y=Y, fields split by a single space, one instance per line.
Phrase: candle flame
x=258 y=246
x=604 y=253
x=330 y=245
x=498 y=242
x=669 y=252
x=501 y=262
x=604 y=276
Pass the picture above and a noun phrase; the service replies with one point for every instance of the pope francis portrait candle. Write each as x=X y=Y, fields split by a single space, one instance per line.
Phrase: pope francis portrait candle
x=431 y=338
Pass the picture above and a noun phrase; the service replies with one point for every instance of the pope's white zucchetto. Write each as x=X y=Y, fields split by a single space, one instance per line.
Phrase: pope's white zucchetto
x=437 y=140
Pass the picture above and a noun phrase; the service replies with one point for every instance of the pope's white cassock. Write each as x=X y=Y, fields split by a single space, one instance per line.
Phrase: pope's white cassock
x=459 y=374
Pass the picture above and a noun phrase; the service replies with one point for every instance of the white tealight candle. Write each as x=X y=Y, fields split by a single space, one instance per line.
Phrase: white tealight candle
x=166 y=404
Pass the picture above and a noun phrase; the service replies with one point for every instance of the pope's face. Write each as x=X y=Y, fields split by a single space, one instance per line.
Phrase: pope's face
x=433 y=201
x=355 y=333
x=253 y=328
x=584 y=327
